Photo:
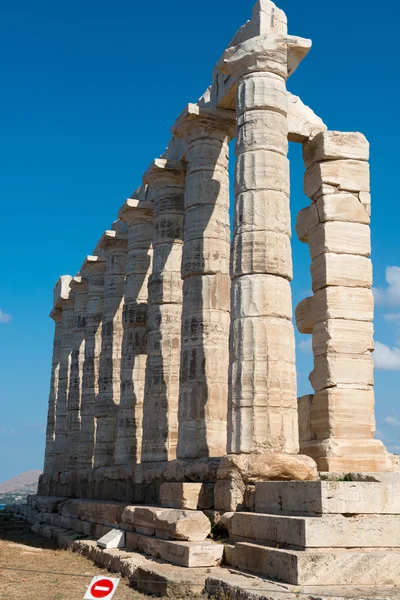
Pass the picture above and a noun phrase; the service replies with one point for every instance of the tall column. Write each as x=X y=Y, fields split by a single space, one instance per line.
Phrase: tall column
x=94 y=268
x=262 y=395
x=340 y=314
x=138 y=215
x=166 y=180
x=108 y=398
x=66 y=302
x=79 y=287
x=203 y=394
x=56 y=315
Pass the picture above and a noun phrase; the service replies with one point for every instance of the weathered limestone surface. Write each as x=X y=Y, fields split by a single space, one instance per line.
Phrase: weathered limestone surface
x=187 y=495
x=94 y=268
x=108 y=398
x=186 y=554
x=328 y=497
x=311 y=568
x=49 y=459
x=236 y=472
x=262 y=395
x=138 y=215
x=169 y=524
x=203 y=391
x=166 y=180
x=79 y=287
x=360 y=531
x=66 y=303
x=339 y=315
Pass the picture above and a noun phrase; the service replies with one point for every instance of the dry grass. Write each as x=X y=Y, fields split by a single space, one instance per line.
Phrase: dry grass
x=22 y=549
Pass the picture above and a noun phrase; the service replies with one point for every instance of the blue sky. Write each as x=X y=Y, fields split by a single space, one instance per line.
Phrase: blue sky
x=89 y=92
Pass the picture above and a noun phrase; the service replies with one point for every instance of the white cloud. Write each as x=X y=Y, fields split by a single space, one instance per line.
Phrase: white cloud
x=392 y=317
x=4 y=317
x=392 y=421
x=306 y=345
x=386 y=358
x=389 y=296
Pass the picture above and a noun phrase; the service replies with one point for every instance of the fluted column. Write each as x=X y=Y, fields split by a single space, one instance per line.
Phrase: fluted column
x=203 y=392
x=166 y=180
x=79 y=287
x=94 y=268
x=66 y=302
x=262 y=398
x=108 y=398
x=56 y=315
x=138 y=215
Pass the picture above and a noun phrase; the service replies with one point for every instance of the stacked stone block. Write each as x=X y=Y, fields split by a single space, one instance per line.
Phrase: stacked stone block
x=108 y=398
x=138 y=215
x=340 y=314
x=166 y=181
x=94 y=268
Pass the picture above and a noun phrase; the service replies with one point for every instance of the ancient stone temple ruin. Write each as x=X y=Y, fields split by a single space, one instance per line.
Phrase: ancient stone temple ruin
x=173 y=390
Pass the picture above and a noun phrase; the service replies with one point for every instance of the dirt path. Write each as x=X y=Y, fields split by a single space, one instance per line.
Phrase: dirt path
x=22 y=549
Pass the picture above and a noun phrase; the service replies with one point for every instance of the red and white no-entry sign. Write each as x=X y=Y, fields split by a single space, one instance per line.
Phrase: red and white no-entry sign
x=101 y=587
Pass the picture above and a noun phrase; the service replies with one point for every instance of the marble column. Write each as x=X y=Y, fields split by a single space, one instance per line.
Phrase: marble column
x=94 y=268
x=203 y=394
x=138 y=215
x=66 y=302
x=108 y=398
x=340 y=314
x=56 y=315
x=79 y=287
x=262 y=395
x=166 y=181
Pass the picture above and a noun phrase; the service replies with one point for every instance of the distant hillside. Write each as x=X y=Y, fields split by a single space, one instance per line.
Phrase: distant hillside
x=25 y=483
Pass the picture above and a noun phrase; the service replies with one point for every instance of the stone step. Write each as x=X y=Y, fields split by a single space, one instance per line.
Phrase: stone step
x=336 y=531
x=335 y=567
x=310 y=498
x=185 y=554
x=167 y=523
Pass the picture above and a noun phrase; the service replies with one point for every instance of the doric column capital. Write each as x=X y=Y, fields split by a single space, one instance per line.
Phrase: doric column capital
x=94 y=265
x=56 y=315
x=113 y=240
x=79 y=285
x=163 y=172
x=62 y=292
x=136 y=211
x=197 y=122
x=279 y=55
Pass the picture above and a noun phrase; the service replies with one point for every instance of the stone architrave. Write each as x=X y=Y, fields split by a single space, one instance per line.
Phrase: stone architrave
x=79 y=287
x=203 y=391
x=138 y=215
x=108 y=398
x=341 y=421
x=166 y=181
x=94 y=268
x=66 y=303
x=56 y=315
x=262 y=393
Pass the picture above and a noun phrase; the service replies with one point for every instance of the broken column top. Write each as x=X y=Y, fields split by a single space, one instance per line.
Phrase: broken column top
x=193 y=112
x=62 y=291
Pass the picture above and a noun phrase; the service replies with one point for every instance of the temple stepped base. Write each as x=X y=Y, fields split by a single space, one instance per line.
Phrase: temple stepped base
x=336 y=533
x=327 y=566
